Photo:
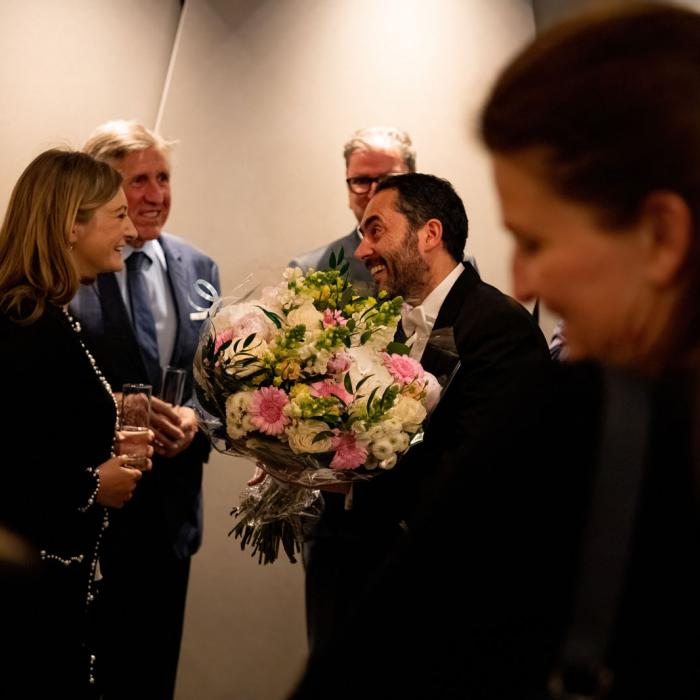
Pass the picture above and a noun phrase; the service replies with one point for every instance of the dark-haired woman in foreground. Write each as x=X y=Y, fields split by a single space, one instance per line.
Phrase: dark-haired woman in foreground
x=567 y=563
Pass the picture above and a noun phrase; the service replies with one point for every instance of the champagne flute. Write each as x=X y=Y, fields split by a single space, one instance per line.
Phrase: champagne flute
x=136 y=423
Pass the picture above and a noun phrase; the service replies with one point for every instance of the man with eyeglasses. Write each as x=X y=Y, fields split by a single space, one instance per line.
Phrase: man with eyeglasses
x=371 y=154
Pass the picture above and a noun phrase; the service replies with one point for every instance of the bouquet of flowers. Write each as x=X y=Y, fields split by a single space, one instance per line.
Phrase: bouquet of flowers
x=307 y=381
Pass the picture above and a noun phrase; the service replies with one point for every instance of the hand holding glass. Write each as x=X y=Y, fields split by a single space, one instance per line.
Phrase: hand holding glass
x=172 y=385
x=136 y=423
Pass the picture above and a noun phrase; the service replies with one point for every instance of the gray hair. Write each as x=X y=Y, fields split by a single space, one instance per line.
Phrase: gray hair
x=382 y=138
x=116 y=139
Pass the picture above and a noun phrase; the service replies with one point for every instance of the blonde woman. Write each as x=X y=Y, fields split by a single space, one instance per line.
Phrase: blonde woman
x=66 y=221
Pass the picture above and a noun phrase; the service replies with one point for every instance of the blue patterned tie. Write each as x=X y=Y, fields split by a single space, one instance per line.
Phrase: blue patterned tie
x=141 y=315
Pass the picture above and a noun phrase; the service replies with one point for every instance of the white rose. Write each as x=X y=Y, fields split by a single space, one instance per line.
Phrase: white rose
x=301 y=436
x=306 y=315
x=409 y=411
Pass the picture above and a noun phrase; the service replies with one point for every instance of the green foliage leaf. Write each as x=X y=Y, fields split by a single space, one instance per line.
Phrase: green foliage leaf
x=362 y=381
x=272 y=316
x=344 y=268
x=371 y=398
x=248 y=340
x=395 y=348
x=341 y=255
x=331 y=260
x=365 y=337
x=348 y=383
x=323 y=435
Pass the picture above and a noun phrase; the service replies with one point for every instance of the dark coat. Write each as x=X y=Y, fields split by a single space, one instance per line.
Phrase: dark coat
x=497 y=341
x=57 y=421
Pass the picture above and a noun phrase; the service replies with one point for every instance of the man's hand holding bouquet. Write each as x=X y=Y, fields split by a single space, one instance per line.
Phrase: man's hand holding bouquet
x=308 y=381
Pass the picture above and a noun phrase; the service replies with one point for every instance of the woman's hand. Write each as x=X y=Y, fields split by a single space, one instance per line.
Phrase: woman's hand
x=117 y=481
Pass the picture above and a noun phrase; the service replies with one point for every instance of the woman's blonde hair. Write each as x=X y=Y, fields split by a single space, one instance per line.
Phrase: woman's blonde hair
x=57 y=189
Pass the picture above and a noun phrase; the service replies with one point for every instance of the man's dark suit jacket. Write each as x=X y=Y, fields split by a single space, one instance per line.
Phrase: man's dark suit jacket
x=166 y=510
x=497 y=341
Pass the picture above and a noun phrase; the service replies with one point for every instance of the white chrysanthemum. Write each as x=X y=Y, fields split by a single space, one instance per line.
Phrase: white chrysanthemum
x=301 y=436
x=382 y=449
x=307 y=314
x=388 y=463
x=409 y=411
x=237 y=419
x=399 y=441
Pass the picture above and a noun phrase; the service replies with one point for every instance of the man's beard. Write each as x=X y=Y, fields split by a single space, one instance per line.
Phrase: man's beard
x=408 y=272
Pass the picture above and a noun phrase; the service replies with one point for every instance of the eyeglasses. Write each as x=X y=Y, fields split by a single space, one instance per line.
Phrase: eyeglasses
x=363 y=184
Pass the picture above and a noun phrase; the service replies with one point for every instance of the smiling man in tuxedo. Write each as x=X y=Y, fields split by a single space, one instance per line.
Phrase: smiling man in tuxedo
x=414 y=234
x=137 y=322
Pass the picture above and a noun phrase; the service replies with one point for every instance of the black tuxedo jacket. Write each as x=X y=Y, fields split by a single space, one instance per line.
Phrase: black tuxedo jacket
x=166 y=510
x=497 y=342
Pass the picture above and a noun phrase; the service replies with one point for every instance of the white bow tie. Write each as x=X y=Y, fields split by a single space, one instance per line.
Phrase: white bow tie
x=413 y=320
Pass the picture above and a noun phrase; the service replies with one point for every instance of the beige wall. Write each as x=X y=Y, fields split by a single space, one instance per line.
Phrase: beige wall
x=262 y=97
x=68 y=66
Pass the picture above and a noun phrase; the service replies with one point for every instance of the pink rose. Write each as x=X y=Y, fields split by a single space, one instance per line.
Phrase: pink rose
x=221 y=338
x=432 y=392
x=339 y=362
x=328 y=387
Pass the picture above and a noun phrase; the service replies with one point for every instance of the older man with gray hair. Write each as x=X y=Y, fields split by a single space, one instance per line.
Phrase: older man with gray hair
x=371 y=154
x=136 y=322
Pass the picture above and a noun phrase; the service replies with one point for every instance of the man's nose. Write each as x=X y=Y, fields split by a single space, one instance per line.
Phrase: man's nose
x=153 y=192
x=363 y=250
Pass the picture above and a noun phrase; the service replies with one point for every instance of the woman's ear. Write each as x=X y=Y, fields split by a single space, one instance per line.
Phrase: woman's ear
x=669 y=225
x=74 y=234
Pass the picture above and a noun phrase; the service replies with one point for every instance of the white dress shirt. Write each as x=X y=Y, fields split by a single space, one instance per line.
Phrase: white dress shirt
x=159 y=294
x=418 y=321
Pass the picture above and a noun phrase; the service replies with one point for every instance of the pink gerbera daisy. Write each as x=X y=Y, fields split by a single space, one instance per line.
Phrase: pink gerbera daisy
x=266 y=410
x=402 y=368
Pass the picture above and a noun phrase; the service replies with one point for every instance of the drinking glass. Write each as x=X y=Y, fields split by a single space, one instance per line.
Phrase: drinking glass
x=136 y=423
x=172 y=385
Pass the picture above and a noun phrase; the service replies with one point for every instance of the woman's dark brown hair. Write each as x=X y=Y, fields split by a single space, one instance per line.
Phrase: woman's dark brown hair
x=612 y=101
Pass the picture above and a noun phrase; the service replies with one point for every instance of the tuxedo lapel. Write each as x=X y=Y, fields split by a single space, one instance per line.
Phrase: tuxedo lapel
x=441 y=356
x=456 y=298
